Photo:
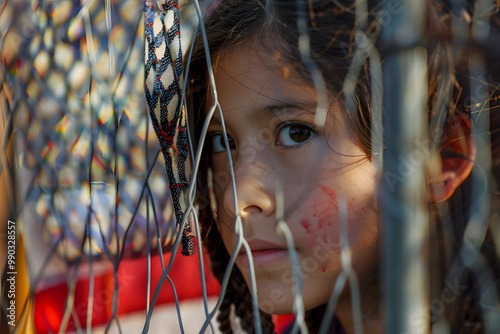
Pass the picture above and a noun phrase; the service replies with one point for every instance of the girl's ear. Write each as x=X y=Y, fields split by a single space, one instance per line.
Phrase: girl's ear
x=458 y=152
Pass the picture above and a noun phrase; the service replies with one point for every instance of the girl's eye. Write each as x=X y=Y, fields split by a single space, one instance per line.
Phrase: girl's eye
x=294 y=134
x=218 y=144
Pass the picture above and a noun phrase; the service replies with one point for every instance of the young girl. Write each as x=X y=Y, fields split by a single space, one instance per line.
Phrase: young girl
x=277 y=140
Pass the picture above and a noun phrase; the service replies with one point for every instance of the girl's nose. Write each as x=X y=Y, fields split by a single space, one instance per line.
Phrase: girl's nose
x=254 y=191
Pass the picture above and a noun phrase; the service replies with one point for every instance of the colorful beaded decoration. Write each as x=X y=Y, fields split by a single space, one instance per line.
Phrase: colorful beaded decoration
x=163 y=69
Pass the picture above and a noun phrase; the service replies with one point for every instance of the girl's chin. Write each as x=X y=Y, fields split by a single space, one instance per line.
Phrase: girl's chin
x=274 y=304
x=270 y=307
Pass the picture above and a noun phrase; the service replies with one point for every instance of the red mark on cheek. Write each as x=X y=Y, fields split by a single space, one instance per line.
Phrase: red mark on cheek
x=325 y=213
x=323 y=267
x=360 y=211
x=305 y=223
x=329 y=192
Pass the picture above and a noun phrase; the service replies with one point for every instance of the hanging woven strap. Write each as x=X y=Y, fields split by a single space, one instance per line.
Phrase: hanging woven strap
x=163 y=69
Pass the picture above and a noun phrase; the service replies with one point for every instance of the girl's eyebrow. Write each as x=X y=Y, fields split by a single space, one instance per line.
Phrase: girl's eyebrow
x=276 y=111
x=284 y=110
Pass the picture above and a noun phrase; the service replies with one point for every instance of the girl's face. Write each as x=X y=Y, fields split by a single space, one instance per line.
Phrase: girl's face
x=269 y=113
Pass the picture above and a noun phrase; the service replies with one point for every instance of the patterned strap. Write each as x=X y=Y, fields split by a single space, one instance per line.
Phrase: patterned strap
x=163 y=69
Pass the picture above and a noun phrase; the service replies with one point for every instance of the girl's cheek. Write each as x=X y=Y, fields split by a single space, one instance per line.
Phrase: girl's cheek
x=221 y=178
x=320 y=222
x=358 y=207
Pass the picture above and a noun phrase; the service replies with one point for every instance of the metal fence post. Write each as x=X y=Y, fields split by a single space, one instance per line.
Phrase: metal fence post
x=403 y=180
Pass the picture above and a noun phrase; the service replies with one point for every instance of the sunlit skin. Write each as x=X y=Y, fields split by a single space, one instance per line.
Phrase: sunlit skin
x=269 y=113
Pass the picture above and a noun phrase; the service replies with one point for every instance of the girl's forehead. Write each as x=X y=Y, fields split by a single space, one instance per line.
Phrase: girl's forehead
x=252 y=75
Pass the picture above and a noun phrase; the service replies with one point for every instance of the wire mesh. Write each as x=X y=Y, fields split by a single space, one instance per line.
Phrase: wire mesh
x=100 y=220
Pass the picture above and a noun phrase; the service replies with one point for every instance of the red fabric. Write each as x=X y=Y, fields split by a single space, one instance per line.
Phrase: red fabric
x=132 y=288
x=282 y=321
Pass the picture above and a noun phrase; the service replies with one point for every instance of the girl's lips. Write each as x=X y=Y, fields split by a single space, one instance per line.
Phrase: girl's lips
x=264 y=256
x=263 y=252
